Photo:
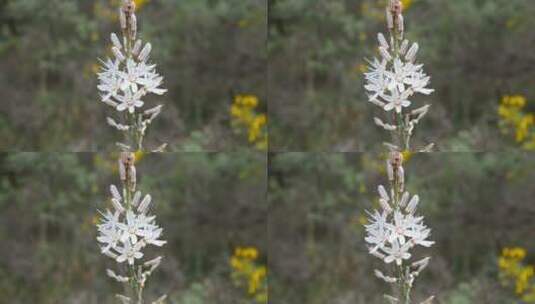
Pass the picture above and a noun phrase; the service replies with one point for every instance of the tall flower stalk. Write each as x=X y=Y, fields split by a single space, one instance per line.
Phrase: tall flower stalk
x=127 y=78
x=394 y=79
x=124 y=232
x=394 y=231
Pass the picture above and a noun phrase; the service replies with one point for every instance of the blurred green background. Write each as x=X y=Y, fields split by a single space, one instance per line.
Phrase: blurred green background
x=208 y=205
x=476 y=51
x=476 y=204
x=208 y=51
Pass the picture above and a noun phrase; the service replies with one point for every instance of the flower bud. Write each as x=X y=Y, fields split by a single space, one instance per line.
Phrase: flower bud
x=428 y=148
x=403 y=47
x=117 y=205
x=136 y=48
x=382 y=40
x=400 y=24
x=145 y=52
x=389 y=171
x=144 y=206
x=404 y=200
x=384 y=204
x=115 y=41
x=428 y=300
x=118 y=54
x=389 y=19
x=135 y=200
x=382 y=192
x=411 y=54
x=385 y=54
x=122 y=19
x=381 y=276
x=124 y=299
x=133 y=26
x=411 y=208
x=115 y=193
x=401 y=178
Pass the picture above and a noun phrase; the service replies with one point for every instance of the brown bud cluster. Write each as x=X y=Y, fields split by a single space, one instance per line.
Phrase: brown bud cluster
x=394 y=17
x=395 y=170
x=396 y=7
x=127 y=170
x=129 y=7
x=396 y=159
x=127 y=18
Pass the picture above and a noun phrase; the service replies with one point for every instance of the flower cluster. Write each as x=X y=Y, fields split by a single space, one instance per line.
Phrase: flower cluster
x=128 y=78
x=396 y=229
x=244 y=115
x=394 y=79
x=127 y=229
x=392 y=233
x=125 y=232
x=514 y=118
x=247 y=273
x=514 y=270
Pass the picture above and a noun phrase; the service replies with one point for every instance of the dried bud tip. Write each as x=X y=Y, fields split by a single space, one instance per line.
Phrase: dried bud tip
x=128 y=7
x=396 y=7
x=396 y=159
x=127 y=158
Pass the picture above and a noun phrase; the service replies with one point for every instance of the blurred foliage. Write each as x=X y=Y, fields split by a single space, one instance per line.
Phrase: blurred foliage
x=513 y=118
x=245 y=119
x=48 y=211
x=475 y=51
x=248 y=275
x=207 y=50
x=513 y=270
x=475 y=203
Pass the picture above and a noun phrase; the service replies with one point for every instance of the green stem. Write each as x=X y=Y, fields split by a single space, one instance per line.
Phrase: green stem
x=137 y=288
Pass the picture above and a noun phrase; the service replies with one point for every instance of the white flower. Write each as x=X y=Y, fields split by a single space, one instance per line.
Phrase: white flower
x=399 y=76
x=124 y=233
x=130 y=101
x=391 y=80
x=396 y=100
x=397 y=253
x=391 y=235
x=131 y=229
x=130 y=77
x=129 y=252
x=124 y=81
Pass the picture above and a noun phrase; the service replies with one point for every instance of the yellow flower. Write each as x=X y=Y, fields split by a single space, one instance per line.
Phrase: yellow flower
x=248 y=275
x=406 y=155
x=140 y=3
x=513 y=270
x=513 y=118
x=246 y=120
x=406 y=4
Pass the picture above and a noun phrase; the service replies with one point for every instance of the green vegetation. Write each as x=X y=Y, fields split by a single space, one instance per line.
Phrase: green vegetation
x=475 y=204
x=475 y=51
x=207 y=50
x=48 y=209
